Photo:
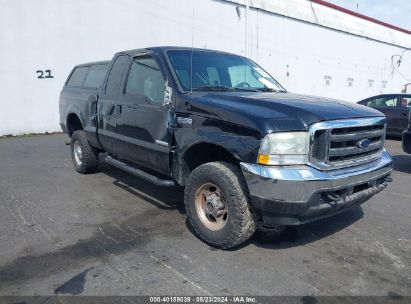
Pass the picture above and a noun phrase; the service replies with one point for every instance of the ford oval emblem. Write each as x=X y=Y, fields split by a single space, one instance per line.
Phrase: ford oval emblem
x=363 y=143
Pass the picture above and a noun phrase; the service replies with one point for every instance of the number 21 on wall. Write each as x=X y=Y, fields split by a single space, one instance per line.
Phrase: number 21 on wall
x=44 y=74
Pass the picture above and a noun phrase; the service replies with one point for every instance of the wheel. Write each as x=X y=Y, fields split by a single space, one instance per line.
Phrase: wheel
x=85 y=158
x=217 y=206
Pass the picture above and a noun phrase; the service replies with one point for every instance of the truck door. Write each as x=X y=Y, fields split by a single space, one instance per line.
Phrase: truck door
x=108 y=106
x=143 y=122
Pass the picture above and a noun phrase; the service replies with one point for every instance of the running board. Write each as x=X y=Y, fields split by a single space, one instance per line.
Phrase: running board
x=139 y=173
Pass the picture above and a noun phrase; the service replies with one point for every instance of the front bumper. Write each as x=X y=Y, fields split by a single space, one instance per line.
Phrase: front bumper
x=293 y=195
x=406 y=141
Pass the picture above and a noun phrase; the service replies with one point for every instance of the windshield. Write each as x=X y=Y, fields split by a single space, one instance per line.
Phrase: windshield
x=219 y=71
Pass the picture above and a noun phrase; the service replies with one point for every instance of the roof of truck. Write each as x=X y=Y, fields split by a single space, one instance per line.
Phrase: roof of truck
x=94 y=63
x=166 y=48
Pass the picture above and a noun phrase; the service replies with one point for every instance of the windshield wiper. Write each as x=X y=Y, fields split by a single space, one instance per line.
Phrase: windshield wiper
x=212 y=88
x=270 y=90
x=246 y=89
x=267 y=90
x=223 y=88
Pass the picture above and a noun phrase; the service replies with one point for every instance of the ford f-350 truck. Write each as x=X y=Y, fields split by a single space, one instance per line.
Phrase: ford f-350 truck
x=245 y=150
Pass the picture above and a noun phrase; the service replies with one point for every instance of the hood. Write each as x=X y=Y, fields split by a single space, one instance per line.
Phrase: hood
x=270 y=112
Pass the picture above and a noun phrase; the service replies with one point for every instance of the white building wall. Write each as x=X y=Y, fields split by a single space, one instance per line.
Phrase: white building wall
x=310 y=53
x=56 y=35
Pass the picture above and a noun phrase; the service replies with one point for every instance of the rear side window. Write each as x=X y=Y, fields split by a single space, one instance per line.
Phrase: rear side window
x=95 y=76
x=116 y=75
x=77 y=77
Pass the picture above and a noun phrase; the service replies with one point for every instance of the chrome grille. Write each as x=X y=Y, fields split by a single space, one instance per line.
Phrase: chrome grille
x=344 y=143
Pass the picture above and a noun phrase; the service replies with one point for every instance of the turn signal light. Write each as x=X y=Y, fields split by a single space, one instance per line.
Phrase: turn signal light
x=263 y=159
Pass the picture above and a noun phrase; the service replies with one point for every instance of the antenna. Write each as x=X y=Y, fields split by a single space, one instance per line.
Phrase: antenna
x=247 y=9
x=191 y=56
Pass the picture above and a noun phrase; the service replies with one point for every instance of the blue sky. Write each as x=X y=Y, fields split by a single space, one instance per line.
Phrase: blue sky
x=395 y=12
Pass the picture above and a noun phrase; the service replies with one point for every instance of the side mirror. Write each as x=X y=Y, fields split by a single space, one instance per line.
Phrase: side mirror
x=168 y=93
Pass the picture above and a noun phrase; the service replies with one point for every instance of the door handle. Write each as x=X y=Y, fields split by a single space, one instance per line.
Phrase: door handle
x=118 y=109
x=93 y=118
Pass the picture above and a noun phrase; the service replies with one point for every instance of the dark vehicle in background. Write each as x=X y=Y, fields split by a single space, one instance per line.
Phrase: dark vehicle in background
x=395 y=107
x=247 y=152
x=406 y=136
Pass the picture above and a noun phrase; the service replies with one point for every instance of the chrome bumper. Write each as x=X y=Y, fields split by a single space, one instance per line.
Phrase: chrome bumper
x=298 y=191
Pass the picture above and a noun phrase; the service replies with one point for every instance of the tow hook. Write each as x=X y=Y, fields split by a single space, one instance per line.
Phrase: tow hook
x=388 y=179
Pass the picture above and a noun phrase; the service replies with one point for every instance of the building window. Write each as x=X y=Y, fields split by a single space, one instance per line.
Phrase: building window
x=327 y=80
x=384 y=83
x=370 y=83
x=350 y=82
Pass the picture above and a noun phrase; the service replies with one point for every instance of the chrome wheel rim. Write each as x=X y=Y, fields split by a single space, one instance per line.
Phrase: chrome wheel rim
x=211 y=207
x=78 y=153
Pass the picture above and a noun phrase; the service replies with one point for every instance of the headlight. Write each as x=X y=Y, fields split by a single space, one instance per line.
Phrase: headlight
x=284 y=148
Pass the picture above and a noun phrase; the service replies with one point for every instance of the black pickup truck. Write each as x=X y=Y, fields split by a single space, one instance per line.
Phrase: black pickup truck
x=247 y=152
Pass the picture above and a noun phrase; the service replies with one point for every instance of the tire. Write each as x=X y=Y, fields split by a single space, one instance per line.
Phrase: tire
x=238 y=222
x=87 y=162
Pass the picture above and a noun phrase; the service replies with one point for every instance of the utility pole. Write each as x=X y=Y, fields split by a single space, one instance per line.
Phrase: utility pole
x=247 y=8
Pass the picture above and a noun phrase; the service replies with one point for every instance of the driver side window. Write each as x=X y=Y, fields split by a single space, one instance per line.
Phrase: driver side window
x=145 y=78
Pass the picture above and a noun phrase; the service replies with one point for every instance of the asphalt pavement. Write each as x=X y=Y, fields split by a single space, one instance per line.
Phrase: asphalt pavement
x=113 y=234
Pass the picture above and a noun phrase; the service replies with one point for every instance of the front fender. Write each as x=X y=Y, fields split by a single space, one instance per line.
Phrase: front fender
x=240 y=141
